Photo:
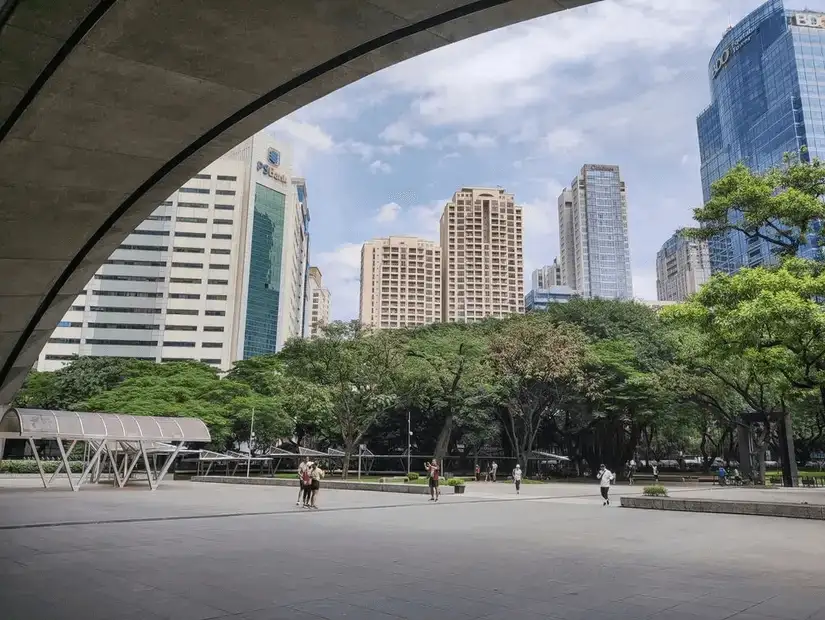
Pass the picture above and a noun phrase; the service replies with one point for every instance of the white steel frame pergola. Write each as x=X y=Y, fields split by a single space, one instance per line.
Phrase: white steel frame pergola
x=107 y=435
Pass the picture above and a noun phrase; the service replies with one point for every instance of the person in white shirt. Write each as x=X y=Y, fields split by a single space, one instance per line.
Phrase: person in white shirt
x=517 y=478
x=493 y=470
x=605 y=478
x=303 y=467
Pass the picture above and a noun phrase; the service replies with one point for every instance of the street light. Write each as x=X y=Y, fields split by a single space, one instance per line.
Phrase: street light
x=409 y=442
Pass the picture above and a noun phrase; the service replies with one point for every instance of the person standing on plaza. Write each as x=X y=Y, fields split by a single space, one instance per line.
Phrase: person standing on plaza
x=478 y=472
x=631 y=471
x=303 y=468
x=316 y=473
x=605 y=478
x=306 y=482
x=517 y=478
x=433 y=472
x=723 y=476
x=655 y=472
x=493 y=470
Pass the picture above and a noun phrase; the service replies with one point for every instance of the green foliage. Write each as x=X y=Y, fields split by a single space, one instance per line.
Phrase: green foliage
x=455 y=482
x=412 y=476
x=655 y=490
x=29 y=466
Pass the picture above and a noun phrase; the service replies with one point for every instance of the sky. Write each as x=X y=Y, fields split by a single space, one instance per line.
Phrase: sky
x=524 y=107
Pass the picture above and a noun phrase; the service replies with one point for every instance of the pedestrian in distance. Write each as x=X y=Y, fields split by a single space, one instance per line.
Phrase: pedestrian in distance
x=433 y=472
x=478 y=472
x=306 y=483
x=655 y=472
x=303 y=467
x=605 y=478
x=316 y=473
x=517 y=478
x=493 y=471
x=631 y=471
x=723 y=476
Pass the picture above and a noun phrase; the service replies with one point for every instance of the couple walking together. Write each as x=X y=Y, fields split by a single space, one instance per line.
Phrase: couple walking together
x=309 y=480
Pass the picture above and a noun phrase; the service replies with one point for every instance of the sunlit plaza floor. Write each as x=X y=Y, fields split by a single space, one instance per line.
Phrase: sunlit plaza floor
x=195 y=551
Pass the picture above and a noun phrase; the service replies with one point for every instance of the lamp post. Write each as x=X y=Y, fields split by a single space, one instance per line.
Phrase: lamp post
x=409 y=442
x=251 y=437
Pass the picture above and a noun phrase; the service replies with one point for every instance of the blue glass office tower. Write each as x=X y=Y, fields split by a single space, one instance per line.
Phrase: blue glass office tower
x=767 y=82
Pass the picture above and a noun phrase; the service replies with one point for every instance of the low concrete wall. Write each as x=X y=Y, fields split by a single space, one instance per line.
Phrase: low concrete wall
x=762 y=509
x=419 y=489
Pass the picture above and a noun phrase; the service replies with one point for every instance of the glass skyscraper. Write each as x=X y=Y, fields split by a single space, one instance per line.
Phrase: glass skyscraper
x=767 y=81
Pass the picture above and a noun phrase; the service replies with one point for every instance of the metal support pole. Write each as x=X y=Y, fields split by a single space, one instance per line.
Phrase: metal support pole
x=168 y=464
x=251 y=437
x=152 y=485
x=92 y=462
x=66 y=463
x=39 y=464
x=59 y=467
x=409 y=442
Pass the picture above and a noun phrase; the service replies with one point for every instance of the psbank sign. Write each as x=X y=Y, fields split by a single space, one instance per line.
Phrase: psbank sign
x=729 y=52
x=270 y=167
x=811 y=20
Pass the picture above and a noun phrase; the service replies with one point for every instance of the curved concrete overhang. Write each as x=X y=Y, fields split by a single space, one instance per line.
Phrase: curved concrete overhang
x=108 y=106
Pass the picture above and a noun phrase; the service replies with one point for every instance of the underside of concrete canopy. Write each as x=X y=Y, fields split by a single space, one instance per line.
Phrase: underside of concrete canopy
x=118 y=441
x=108 y=106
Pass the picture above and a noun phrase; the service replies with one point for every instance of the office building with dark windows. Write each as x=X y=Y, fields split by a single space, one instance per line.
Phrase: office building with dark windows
x=767 y=99
x=215 y=274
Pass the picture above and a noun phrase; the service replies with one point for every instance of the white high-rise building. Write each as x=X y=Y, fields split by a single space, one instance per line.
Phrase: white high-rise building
x=547 y=276
x=482 y=255
x=215 y=274
x=682 y=267
x=595 y=248
x=400 y=282
x=318 y=304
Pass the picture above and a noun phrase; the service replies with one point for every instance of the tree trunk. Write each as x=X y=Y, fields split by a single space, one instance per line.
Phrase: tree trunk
x=790 y=474
x=347 y=456
x=443 y=441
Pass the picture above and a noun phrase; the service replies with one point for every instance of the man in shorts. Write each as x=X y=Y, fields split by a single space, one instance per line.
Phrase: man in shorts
x=303 y=468
x=517 y=478
x=433 y=474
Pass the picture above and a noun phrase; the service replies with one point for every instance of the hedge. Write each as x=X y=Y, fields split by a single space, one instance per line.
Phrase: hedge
x=29 y=466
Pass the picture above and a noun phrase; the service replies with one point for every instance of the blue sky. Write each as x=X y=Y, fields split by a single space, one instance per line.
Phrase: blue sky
x=618 y=82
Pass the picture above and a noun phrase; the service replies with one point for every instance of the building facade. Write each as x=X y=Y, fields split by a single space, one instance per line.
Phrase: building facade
x=593 y=235
x=212 y=275
x=547 y=276
x=538 y=299
x=682 y=267
x=400 y=282
x=482 y=255
x=318 y=304
x=766 y=101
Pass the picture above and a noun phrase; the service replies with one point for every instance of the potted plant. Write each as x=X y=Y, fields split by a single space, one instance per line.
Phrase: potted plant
x=457 y=484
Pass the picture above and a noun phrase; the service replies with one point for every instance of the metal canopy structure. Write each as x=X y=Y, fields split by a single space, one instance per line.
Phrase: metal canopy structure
x=108 y=436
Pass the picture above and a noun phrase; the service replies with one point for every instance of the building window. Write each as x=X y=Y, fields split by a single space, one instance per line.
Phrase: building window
x=217 y=266
x=193 y=190
x=213 y=328
x=123 y=343
x=203 y=176
x=224 y=207
x=62 y=358
x=220 y=251
x=128 y=294
x=229 y=222
x=214 y=313
x=213 y=281
x=184 y=296
x=212 y=345
x=188 y=265
x=216 y=297
x=188 y=345
x=185 y=311
x=225 y=192
x=152 y=233
x=78 y=308
x=69 y=324
x=211 y=361
x=181 y=328
x=64 y=340
x=185 y=280
x=221 y=236
x=193 y=220
x=191 y=235
x=137 y=263
x=224 y=177
x=188 y=250
x=159 y=218
x=193 y=205
x=124 y=310
x=144 y=248
x=104 y=276
x=124 y=326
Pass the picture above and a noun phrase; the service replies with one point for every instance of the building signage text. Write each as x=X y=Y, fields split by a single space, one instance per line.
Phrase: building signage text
x=812 y=20
x=270 y=168
x=726 y=55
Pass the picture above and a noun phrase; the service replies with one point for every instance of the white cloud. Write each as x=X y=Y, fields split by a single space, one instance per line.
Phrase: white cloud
x=400 y=133
x=563 y=140
x=474 y=140
x=644 y=284
x=311 y=135
x=342 y=274
x=380 y=166
x=388 y=213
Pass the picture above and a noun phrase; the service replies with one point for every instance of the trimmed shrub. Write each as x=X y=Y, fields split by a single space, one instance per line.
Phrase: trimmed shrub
x=29 y=466
x=454 y=482
x=655 y=490
x=412 y=476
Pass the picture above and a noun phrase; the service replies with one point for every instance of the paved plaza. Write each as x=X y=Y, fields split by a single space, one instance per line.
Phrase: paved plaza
x=195 y=551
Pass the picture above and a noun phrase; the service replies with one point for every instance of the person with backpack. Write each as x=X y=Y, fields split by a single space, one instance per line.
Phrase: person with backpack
x=303 y=466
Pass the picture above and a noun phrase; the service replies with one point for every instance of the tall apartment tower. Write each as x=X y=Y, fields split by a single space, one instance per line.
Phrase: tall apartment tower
x=483 y=261
x=547 y=276
x=214 y=274
x=593 y=234
x=400 y=282
x=682 y=267
x=318 y=303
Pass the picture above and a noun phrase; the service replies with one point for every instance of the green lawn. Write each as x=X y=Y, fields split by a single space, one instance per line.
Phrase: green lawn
x=802 y=473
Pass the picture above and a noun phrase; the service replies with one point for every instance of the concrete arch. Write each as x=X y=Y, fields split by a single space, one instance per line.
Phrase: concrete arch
x=108 y=106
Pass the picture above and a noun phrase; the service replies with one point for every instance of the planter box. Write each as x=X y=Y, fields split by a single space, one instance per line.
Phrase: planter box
x=459 y=489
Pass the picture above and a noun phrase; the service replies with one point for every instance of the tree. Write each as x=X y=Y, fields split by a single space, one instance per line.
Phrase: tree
x=359 y=369
x=782 y=206
x=443 y=374
x=536 y=363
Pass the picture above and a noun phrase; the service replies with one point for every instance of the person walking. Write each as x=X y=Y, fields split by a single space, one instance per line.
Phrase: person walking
x=631 y=471
x=723 y=476
x=478 y=473
x=493 y=470
x=306 y=482
x=605 y=478
x=316 y=473
x=303 y=468
x=433 y=472
x=655 y=472
x=517 y=478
